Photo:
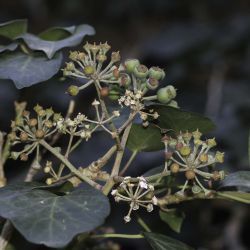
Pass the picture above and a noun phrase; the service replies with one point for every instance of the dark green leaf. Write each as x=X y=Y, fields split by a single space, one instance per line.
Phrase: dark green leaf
x=179 y=120
x=13 y=28
x=163 y=242
x=153 y=171
x=144 y=139
x=236 y=196
x=237 y=179
x=25 y=70
x=51 y=47
x=43 y=217
x=173 y=218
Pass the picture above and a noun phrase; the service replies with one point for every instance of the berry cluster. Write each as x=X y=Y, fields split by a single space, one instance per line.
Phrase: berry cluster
x=191 y=155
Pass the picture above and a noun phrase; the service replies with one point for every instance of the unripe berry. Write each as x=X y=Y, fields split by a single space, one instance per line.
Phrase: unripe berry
x=141 y=71
x=23 y=136
x=152 y=83
x=49 y=181
x=185 y=151
x=190 y=174
x=33 y=122
x=125 y=80
x=130 y=64
x=88 y=70
x=157 y=73
x=203 y=158
x=165 y=95
x=114 y=95
x=46 y=170
x=39 y=134
x=196 y=189
x=73 y=90
x=104 y=91
x=175 y=168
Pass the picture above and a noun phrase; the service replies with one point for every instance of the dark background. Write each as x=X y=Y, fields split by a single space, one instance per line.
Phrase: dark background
x=204 y=47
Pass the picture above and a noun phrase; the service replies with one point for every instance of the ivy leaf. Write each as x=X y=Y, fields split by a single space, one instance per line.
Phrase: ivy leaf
x=25 y=70
x=57 y=33
x=10 y=47
x=180 y=120
x=43 y=217
x=14 y=28
x=237 y=179
x=52 y=45
x=144 y=139
x=173 y=218
x=236 y=196
x=163 y=242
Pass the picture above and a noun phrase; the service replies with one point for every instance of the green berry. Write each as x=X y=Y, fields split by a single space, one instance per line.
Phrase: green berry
x=141 y=71
x=165 y=95
x=114 y=95
x=152 y=83
x=157 y=73
x=73 y=90
x=130 y=64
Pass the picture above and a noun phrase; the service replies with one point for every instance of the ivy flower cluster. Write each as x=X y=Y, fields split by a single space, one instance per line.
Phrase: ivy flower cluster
x=188 y=153
x=30 y=130
x=84 y=127
x=137 y=194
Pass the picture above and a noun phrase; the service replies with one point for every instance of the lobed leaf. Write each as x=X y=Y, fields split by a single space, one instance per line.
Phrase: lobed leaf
x=144 y=139
x=51 y=45
x=13 y=28
x=236 y=196
x=43 y=217
x=25 y=70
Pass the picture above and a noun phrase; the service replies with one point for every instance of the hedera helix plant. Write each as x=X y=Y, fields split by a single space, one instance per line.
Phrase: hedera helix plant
x=55 y=212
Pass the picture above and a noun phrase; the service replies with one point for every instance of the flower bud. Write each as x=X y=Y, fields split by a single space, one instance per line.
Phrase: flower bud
x=165 y=95
x=23 y=137
x=48 y=124
x=39 y=134
x=185 y=151
x=46 y=170
x=196 y=189
x=174 y=168
x=141 y=71
x=73 y=90
x=152 y=83
x=70 y=66
x=49 y=181
x=190 y=174
x=203 y=158
x=101 y=58
x=88 y=70
x=115 y=57
x=73 y=55
x=41 y=113
x=219 y=157
x=37 y=108
x=211 y=142
x=81 y=56
x=33 y=122
x=130 y=64
x=156 y=73
x=197 y=134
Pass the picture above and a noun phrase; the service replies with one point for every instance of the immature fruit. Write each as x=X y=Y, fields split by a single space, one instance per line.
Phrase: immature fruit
x=33 y=122
x=39 y=134
x=203 y=158
x=49 y=181
x=152 y=83
x=101 y=58
x=196 y=189
x=156 y=73
x=165 y=95
x=41 y=113
x=130 y=64
x=48 y=124
x=190 y=174
x=125 y=80
x=23 y=136
x=104 y=91
x=185 y=151
x=115 y=57
x=174 y=168
x=73 y=90
x=141 y=71
x=88 y=70
x=114 y=95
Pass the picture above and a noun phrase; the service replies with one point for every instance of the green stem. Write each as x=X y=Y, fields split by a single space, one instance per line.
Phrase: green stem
x=150 y=98
x=124 y=236
x=132 y=157
x=142 y=223
x=69 y=165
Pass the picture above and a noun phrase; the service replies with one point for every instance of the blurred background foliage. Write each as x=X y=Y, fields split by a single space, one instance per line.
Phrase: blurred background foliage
x=204 y=47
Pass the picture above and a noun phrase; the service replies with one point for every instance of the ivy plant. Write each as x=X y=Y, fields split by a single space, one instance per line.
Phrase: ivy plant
x=74 y=201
